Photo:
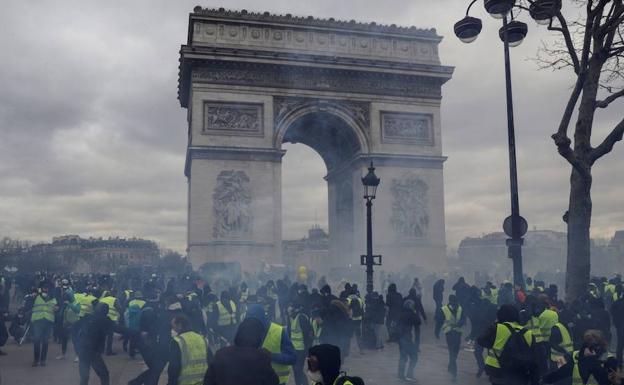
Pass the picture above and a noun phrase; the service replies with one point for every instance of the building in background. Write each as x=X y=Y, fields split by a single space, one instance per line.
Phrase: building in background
x=311 y=251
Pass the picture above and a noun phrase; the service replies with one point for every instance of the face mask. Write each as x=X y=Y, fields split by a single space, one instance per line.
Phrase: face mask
x=44 y=295
x=314 y=376
x=173 y=333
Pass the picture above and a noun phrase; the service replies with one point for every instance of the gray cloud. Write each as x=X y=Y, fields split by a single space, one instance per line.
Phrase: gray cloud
x=93 y=139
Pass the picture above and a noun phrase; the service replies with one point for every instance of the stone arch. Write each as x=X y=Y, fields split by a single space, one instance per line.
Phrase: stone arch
x=351 y=117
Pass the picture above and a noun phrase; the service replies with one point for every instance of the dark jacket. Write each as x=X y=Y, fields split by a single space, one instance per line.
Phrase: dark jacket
x=225 y=369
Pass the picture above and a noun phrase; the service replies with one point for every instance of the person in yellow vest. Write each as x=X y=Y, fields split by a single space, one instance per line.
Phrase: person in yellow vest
x=226 y=316
x=495 y=339
x=41 y=322
x=133 y=316
x=114 y=312
x=450 y=319
x=546 y=319
x=276 y=341
x=356 y=308
x=323 y=367
x=591 y=364
x=529 y=285
x=301 y=335
x=317 y=327
x=561 y=344
x=189 y=354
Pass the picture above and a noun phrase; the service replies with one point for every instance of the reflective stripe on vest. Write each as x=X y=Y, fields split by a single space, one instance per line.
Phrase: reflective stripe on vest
x=451 y=321
x=194 y=354
x=113 y=314
x=273 y=343
x=225 y=317
x=546 y=321
x=533 y=326
x=502 y=335
x=296 y=334
x=356 y=298
x=565 y=344
x=43 y=310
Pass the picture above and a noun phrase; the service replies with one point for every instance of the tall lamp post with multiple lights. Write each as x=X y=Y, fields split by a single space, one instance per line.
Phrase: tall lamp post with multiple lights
x=370 y=182
x=512 y=33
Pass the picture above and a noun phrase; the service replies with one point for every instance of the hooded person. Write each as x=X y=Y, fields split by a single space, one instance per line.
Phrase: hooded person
x=246 y=353
x=277 y=342
x=323 y=367
x=450 y=319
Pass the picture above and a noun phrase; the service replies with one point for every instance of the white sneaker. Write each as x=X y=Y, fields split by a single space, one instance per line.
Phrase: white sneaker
x=76 y=359
x=61 y=357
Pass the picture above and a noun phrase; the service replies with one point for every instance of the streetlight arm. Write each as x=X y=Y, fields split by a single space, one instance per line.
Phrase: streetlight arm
x=470 y=6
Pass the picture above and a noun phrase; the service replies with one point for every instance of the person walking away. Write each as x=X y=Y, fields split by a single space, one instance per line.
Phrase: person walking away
x=276 y=341
x=409 y=337
x=114 y=310
x=511 y=357
x=547 y=319
x=227 y=317
x=323 y=367
x=484 y=315
x=41 y=322
x=301 y=335
x=394 y=301
x=96 y=327
x=133 y=318
x=591 y=364
x=356 y=307
x=83 y=303
x=450 y=319
x=225 y=368
x=438 y=293
x=561 y=345
x=188 y=356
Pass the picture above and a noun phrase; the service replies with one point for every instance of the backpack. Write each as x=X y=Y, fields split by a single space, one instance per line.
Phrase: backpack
x=516 y=356
x=356 y=307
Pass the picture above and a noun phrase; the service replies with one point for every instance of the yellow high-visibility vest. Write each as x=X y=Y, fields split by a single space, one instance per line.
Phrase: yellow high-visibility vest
x=565 y=344
x=225 y=317
x=86 y=303
x=546 y=321
x=451 y=321
x=296 y=334
x=43 y=310
x=273 y=343
x=194 y=356
x=352 y=298
x=502 y=335
x=137 y=302
x=113 y=314
x=316 y=328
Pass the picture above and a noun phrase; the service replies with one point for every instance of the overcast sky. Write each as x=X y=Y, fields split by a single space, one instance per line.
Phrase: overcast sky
x=93 y=139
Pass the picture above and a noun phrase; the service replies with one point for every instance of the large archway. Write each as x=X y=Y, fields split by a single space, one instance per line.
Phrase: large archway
x=353 y=92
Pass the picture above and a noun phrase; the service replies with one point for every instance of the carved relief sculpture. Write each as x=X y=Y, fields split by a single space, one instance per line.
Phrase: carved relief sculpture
x=407 y=128
x=410 y=218
x=232 y=119
x=232 y=205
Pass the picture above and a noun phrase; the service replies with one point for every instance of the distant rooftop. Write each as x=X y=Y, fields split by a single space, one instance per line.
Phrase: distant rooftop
x=351 y=25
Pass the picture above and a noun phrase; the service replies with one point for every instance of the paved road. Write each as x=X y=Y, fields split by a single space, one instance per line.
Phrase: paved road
x=375 y=367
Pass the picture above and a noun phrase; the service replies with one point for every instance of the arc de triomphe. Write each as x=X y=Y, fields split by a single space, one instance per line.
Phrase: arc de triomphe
x=353 y=92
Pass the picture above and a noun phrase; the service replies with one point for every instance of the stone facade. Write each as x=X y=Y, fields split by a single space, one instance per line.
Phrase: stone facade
x=353 y=92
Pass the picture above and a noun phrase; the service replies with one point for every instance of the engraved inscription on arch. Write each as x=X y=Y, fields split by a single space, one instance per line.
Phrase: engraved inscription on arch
x=240 y=119
x=407 y=128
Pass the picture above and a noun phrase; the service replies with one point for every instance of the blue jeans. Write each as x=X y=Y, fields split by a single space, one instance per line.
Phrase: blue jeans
x=41 y=330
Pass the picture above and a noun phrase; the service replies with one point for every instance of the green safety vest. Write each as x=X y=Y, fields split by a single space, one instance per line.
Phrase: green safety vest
x=346 y=382
x=533 y=326
x=502 y=335
x=356 y=298
x=113 y=314
x=546 y=321
x=86 y=303
x=127 y=294
x=225 y=317
x=296 y=334
x=194 y=356
x=43 y=310
x=137 y=302
x=273 y=343
x=451 y=321
x=565 y=344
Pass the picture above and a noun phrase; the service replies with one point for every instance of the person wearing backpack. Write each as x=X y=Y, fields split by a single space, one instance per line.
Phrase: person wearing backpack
x=356 y=306
x=511 y=358
x=450 y=319
x=301 y=334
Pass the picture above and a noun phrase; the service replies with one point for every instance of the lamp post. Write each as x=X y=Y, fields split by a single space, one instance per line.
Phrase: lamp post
x=512 y=33
x=370 y=182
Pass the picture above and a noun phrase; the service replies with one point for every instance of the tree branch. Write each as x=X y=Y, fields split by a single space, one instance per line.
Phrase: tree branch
x=609 y=99
x=607 y=145
x=565 y=31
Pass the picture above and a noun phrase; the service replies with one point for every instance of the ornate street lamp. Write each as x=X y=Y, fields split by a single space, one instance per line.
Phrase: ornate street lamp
x=512 y=34
x=370 y=182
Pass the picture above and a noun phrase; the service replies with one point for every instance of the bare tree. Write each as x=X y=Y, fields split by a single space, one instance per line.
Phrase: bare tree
x=593 y=47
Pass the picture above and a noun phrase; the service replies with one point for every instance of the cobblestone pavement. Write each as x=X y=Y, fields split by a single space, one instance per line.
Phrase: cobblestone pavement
x=375 y=367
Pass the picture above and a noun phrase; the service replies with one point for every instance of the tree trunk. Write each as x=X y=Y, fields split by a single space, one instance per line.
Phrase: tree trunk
x=579 y=221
